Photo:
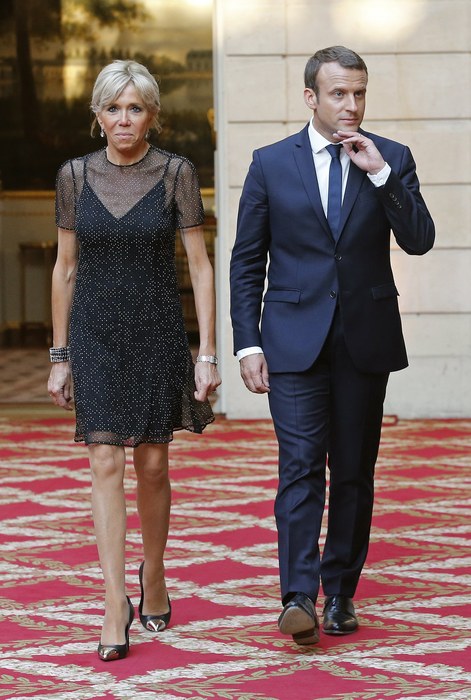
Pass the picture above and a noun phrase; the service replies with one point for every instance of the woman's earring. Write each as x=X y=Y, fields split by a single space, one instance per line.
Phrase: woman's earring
x=102 y=133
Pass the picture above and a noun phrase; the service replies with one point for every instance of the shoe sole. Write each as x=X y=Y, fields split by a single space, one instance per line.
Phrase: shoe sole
x=339 y=632
x=309 y=637
x=299 y=624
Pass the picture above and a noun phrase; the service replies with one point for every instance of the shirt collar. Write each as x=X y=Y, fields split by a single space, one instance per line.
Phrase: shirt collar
x=318 y=142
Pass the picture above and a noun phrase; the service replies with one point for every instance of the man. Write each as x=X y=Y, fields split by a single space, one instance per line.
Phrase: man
x=330 y=329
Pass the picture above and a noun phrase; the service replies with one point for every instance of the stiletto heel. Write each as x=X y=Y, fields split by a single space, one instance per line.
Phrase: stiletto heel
x=113 y=652
x=153 y=623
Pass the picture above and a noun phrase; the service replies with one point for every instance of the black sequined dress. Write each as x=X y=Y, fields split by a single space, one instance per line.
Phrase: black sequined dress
x=131 y=364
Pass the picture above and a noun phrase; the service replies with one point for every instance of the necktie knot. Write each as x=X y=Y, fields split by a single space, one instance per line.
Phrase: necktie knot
x=334 y=149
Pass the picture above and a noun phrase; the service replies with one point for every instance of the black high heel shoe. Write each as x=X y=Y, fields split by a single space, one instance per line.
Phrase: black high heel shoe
x=153 y=623
x=113 y=652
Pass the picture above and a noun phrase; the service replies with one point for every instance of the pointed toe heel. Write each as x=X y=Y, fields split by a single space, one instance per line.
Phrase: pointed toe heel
x=152 y=623
x=113 y=652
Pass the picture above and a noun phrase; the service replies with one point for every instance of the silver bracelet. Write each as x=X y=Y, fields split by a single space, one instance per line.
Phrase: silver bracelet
x=212 y=359
x=59 y=354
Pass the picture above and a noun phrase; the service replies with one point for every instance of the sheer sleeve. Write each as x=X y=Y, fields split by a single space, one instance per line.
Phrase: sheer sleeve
x=189 y=206
x=65 y=197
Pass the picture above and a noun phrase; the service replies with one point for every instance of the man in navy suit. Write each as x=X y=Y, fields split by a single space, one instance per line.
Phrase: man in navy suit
x=330 y=330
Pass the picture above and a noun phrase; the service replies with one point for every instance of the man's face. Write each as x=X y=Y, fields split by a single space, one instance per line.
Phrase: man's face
x=340 y=102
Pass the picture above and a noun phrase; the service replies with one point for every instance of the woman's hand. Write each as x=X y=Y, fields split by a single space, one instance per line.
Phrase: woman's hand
x=59 y=385
x=207 y=380
x=207 y=377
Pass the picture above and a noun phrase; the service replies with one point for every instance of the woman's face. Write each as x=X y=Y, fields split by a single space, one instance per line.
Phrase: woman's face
x=125 y=123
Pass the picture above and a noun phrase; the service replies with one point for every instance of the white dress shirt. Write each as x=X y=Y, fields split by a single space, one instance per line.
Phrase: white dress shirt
x=322 y=159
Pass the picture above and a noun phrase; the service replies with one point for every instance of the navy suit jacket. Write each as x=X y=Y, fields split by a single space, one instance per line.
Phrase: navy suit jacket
x=281 y=222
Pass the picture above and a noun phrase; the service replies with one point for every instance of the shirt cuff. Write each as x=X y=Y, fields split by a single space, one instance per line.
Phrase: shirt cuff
x=380 y=178
x=253 y=350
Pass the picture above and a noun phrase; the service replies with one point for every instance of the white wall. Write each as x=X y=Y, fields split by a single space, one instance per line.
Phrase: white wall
x=418 y=56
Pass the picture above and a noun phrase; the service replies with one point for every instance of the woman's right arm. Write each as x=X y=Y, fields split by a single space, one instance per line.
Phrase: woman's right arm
x=59 y=385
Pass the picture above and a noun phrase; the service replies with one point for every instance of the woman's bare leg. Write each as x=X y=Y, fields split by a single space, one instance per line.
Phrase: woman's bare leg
x=109 y=515
x=153 y=502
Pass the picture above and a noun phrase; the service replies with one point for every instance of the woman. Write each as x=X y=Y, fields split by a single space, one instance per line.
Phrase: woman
x=118 y=330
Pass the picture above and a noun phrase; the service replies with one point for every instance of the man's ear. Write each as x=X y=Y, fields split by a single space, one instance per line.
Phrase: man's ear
x=310 y=98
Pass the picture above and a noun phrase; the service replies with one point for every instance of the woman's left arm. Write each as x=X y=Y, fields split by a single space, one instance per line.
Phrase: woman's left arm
x=207 y=377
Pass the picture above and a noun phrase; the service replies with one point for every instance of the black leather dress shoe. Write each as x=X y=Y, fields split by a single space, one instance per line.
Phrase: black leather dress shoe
x=339 y=615
x=300 y=620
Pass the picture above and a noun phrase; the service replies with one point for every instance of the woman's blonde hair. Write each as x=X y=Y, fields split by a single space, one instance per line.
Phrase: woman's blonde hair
x=111 y=82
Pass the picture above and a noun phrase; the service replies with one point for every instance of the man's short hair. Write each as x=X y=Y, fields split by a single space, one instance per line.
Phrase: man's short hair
x=339 y=54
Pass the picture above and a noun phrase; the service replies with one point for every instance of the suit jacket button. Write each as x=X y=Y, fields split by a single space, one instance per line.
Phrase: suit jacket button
x=333 y=294
x=338 y=257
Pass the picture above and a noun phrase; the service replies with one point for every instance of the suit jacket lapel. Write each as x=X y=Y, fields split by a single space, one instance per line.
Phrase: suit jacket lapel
x=305 y=162
x=307 y=170
x=355 y=180
x=354 y=183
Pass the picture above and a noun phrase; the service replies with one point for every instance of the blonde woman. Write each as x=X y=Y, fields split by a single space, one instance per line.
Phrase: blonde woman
x=118 y=332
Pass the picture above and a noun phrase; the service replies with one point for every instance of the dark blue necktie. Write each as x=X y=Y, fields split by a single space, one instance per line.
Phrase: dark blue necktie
x=334 y=200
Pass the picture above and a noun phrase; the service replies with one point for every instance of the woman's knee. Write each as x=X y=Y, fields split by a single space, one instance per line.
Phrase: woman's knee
x=151 y=464
x=106 y=462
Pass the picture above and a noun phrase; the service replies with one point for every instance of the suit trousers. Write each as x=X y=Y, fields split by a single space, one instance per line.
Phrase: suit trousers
x=329 y=416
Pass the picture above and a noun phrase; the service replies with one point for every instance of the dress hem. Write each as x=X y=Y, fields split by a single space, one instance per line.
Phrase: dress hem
x=130 y=442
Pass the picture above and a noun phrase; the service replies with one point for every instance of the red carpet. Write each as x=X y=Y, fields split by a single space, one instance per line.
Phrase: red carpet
x=223 y=643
